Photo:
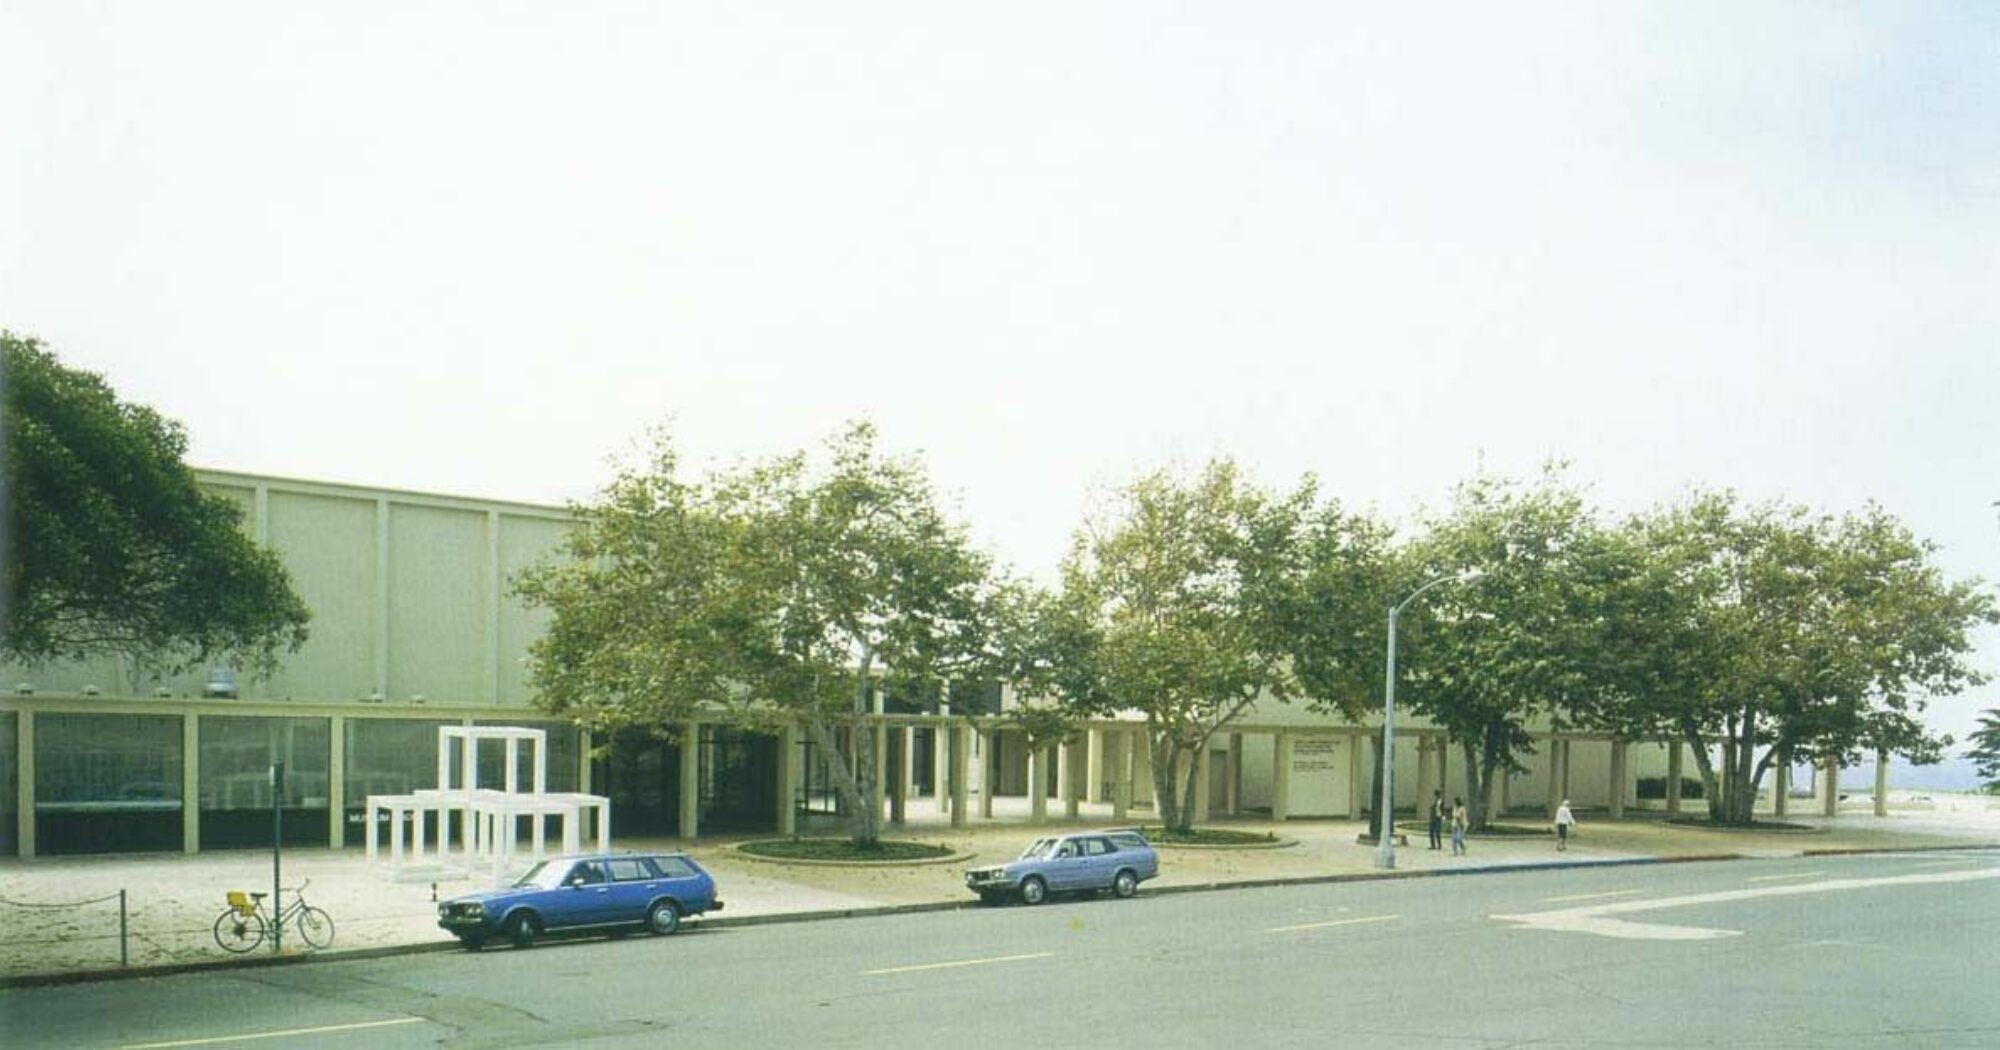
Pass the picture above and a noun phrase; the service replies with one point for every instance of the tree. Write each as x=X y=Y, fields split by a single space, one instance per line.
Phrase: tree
x=1985 y=750
x=1181 y=607
x=1486 y=659
x=788 y=590
x=1787 y=636
x=111 y=546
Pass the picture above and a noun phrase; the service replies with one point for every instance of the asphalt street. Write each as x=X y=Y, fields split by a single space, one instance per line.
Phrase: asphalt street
x=1868 y=951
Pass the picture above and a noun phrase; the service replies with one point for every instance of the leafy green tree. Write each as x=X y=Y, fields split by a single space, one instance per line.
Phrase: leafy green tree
x=1487 y=659
x=111 y=547
x=796 y=589
x=1787 y=636
x=1180 y=606
x=1985 y=750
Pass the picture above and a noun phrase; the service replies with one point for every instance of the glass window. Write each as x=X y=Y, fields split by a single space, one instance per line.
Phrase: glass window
x=631 y=869
x=589 y=873
x=1096 y=847
x=108 y=762
x=236 y=757
x=674 y=867
x=390 y=756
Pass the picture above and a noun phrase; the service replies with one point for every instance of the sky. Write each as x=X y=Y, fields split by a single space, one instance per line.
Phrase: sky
x=481 y=248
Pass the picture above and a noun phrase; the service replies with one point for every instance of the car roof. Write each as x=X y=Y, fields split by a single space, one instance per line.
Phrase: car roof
x=620 y=854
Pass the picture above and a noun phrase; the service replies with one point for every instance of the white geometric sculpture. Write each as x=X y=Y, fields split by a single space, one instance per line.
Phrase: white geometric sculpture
x=490 y=817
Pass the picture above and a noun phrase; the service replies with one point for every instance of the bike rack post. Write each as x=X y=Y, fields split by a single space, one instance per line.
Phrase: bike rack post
x=124 y=955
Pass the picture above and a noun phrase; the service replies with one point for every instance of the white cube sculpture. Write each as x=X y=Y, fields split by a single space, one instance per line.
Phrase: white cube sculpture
x=490 y=817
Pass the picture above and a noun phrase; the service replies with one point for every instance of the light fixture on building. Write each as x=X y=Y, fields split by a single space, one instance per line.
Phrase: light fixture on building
x=25 y=689
x=91 y=690
x=163 y=692
x=221 y=683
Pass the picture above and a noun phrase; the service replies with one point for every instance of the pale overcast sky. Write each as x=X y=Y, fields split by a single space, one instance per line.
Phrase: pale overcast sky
x=478 y=247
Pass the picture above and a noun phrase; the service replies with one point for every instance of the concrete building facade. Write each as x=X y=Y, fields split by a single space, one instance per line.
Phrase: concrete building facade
x=414 y=627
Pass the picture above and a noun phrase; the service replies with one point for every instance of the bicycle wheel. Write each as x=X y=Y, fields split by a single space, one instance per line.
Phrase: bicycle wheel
x=237 y=932
x=315 y=926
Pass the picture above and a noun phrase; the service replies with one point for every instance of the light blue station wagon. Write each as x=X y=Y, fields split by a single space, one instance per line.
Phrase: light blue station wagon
x=1082 y=862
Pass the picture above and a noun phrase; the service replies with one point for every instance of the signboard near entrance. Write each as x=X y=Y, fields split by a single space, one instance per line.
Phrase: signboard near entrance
x=1319 y=776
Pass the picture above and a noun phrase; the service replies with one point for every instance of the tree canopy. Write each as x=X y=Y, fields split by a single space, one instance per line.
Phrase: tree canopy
x=801 y=586
x=111 y=547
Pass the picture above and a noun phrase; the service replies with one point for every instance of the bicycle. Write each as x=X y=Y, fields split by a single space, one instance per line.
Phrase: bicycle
x=241 y=926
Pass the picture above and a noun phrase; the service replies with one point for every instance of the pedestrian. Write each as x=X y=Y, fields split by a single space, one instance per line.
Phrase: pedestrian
x=1458 y=822
x=1565 y=820
x=1438 y=815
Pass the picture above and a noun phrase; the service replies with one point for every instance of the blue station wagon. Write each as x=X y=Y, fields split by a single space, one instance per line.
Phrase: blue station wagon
x=603 y=890
x=1085 y=862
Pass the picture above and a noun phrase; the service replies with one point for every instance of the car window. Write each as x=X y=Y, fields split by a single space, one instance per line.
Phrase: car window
x=631 y=869
x=1098 y=847
x=1068 y=850
x=1037 y=849
x=674 y=867
x=541 y=876
x=589 y=873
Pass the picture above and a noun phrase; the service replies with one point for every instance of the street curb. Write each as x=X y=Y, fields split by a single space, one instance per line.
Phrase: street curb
x=776 y=918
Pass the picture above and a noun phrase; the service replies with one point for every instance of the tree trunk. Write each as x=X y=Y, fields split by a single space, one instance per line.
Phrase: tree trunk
x=1710 y=791
x=1196 y=755
x=1166 y=753
x=863 y=821
x=1478 y=781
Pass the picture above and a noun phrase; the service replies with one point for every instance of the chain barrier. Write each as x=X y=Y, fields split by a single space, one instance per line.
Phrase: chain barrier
x=124 y=927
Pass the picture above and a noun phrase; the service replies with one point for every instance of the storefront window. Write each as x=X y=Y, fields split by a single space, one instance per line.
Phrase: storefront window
x=107 y=783
x=236 y=757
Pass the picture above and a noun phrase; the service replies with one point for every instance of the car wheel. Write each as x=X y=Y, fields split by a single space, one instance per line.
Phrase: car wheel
x=522 y=929
x=1034 y=890
x=1124 y=884
x=664 y=918
x=988 y=897
x=472 y=942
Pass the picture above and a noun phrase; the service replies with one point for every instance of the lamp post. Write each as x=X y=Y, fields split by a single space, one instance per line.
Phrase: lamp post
x=1385 y=846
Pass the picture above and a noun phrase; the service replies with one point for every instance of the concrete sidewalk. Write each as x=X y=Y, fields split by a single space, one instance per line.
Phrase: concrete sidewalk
x=174 y=899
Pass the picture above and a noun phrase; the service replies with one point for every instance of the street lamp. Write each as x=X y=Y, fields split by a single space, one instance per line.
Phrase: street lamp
x=1385 y=848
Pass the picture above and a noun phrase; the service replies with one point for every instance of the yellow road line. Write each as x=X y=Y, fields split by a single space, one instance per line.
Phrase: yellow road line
x=1775 y=878
x=272 y=1035
x=1590 y=896
x=1336 y=922
x=953 y=965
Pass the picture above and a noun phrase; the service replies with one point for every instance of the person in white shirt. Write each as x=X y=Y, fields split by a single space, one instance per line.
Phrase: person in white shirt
x=1565 y=820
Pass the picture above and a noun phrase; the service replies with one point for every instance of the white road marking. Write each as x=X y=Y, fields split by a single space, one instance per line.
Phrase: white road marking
x=1589 y=896
x=954 y=965
x=1599 y=918
x=213 y=1040
x=1335 y=922
x=1778 y=878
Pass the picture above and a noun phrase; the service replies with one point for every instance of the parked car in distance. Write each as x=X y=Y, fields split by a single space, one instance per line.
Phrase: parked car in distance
x=1082 y=862
x=585 y=892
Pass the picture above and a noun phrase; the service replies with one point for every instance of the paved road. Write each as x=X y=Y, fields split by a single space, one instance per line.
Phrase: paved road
x=1874 y=951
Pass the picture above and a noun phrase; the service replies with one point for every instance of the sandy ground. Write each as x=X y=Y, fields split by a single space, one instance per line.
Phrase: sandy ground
x=172 y=900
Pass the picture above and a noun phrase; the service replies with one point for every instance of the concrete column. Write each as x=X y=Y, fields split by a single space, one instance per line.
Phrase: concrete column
x=1881 y=783
x=1118 y=755
x=1281 y=777
x=788 y=780
x=959 y=739
x=1564 y=767
x=336 y=785
x=899 y=791
x=583 y=761
x=190 y=783
x=1674 y=756
x=1781 y=787
x=1077 y=767
x=382 y=597
x=1619 y=749
x=1232 y=777
x=1095 y=768
x=1038 y=794
x=1830 y=801
x=1357 y=775
x=24 y=783
x=1200 y=760
x=988 y=762
x=1426 y=782
x=944 y=781
x=1555 y=777
x=881 y=765
x=690 y=781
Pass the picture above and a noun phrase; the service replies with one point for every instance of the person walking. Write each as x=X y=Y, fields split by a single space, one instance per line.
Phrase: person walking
x=1458 y=822
x=1438 y=814
x=1565 y=820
